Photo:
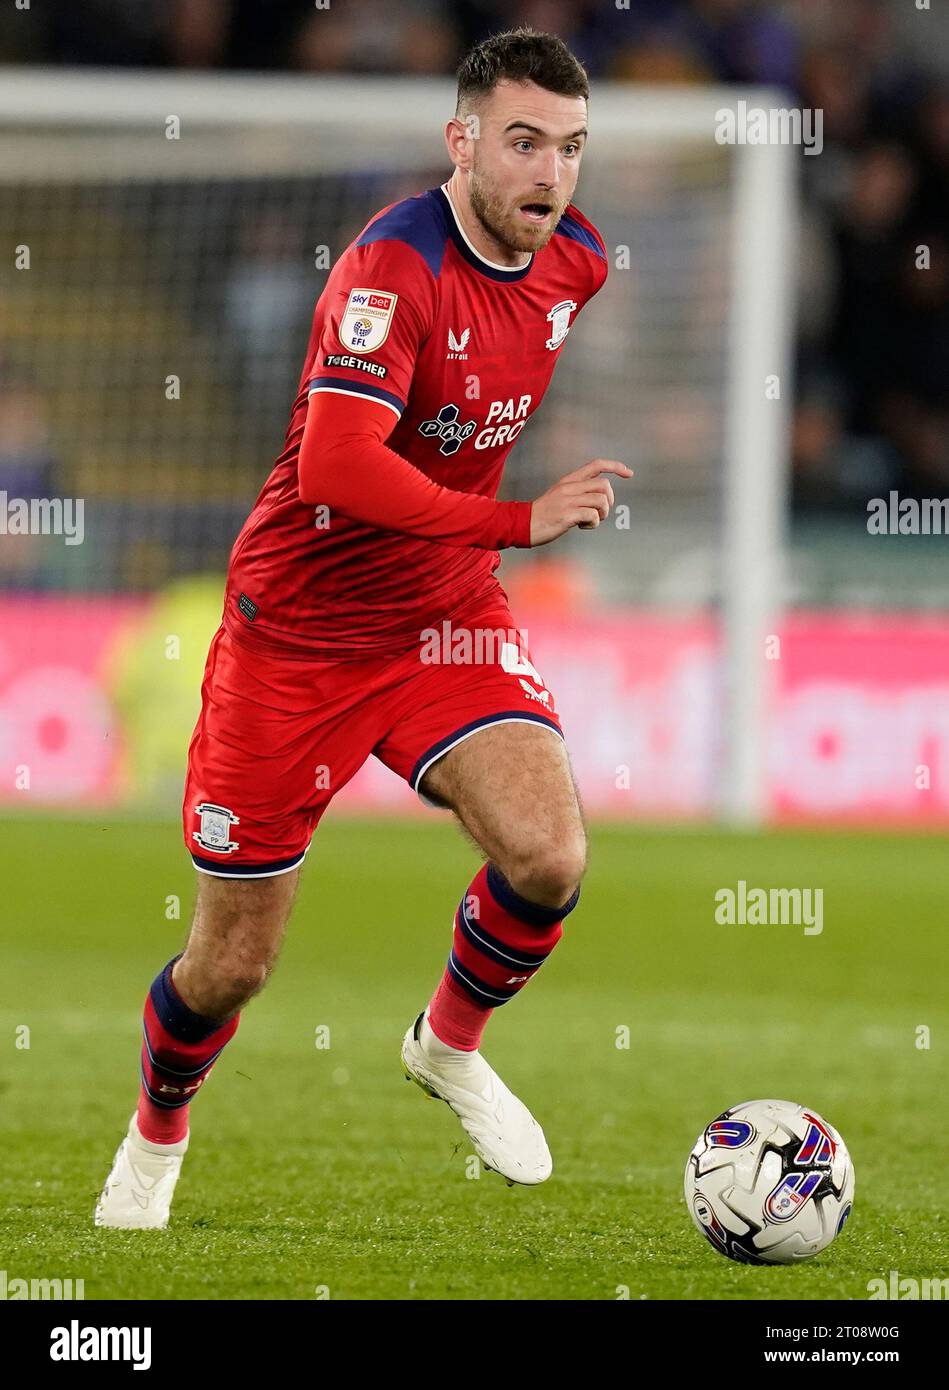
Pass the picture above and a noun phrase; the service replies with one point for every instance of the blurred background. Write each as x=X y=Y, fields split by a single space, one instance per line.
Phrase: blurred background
x=156 y=308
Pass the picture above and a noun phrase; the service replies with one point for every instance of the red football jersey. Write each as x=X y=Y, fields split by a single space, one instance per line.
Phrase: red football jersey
x=461 y=350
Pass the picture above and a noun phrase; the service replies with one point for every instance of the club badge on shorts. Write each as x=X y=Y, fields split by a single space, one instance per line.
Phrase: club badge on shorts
x=366 y=320
x=215 y=831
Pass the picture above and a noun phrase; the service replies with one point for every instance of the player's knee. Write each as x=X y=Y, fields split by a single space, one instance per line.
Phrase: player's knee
x=549 y=871
x=217 y=990
x=234 y=941
x=242 y=980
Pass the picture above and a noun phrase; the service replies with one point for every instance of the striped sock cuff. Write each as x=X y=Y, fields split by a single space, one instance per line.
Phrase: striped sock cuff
x=174 y=1014
x=534 y=914
x=179 y=1046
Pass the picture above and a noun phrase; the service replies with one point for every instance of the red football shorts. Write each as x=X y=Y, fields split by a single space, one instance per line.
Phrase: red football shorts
x=278 y=736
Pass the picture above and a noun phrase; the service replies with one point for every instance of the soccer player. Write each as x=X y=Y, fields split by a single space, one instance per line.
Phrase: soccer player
x=432 y=346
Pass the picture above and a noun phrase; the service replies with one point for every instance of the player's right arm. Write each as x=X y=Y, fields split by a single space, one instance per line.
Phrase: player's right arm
x=358 y=390
x=344 y=464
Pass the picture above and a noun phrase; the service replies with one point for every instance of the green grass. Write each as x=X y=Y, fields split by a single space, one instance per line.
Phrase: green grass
x=317 y=1167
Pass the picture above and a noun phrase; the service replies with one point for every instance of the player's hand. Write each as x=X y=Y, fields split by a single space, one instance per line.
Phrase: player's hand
x=580 y=499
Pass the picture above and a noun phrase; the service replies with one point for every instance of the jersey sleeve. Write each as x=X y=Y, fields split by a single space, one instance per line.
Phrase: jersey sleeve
x=582 y=231
x=601 y=267
x=381 y=303
x=344 y=464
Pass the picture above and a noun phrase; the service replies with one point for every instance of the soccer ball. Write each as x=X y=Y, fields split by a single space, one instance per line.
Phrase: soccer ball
x=769 y=1182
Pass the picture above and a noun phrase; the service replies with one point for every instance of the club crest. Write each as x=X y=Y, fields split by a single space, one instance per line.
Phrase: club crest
x=214 y=833
x=559 y=320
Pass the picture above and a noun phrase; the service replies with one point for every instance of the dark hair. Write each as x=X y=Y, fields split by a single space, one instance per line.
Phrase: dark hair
x=520 y=55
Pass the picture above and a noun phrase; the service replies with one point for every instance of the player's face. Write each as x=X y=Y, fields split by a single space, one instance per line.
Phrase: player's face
x=526 y=162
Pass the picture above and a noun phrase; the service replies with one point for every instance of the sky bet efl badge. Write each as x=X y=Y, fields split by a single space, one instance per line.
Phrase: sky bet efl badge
x=365 y=324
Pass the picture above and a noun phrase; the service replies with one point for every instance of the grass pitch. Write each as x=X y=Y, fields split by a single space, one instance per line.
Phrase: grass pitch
x=320 y=1172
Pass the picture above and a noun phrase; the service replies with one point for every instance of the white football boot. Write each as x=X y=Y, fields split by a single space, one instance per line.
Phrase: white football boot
x=505 y=1135
x=138 y=1191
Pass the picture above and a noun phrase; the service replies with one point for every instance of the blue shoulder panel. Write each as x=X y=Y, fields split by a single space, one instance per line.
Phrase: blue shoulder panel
x=569 y=227
x=419 y=222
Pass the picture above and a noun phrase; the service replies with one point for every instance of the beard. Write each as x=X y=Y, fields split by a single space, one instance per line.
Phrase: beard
x=502 y=220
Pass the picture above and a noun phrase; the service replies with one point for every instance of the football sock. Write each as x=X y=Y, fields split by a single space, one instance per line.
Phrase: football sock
x=179 y=1049
x=500 y=941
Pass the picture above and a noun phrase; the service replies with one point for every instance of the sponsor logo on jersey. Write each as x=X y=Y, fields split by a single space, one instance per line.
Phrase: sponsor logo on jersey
x=449 y=429
x=215 y=830
x=504 y=422
x=342 y=359
x=559 y=320
x=367 y=319
x=456 y=346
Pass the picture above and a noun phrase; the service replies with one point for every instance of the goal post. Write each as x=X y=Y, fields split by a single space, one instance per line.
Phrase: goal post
x=756 y=463
x=177 y=223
